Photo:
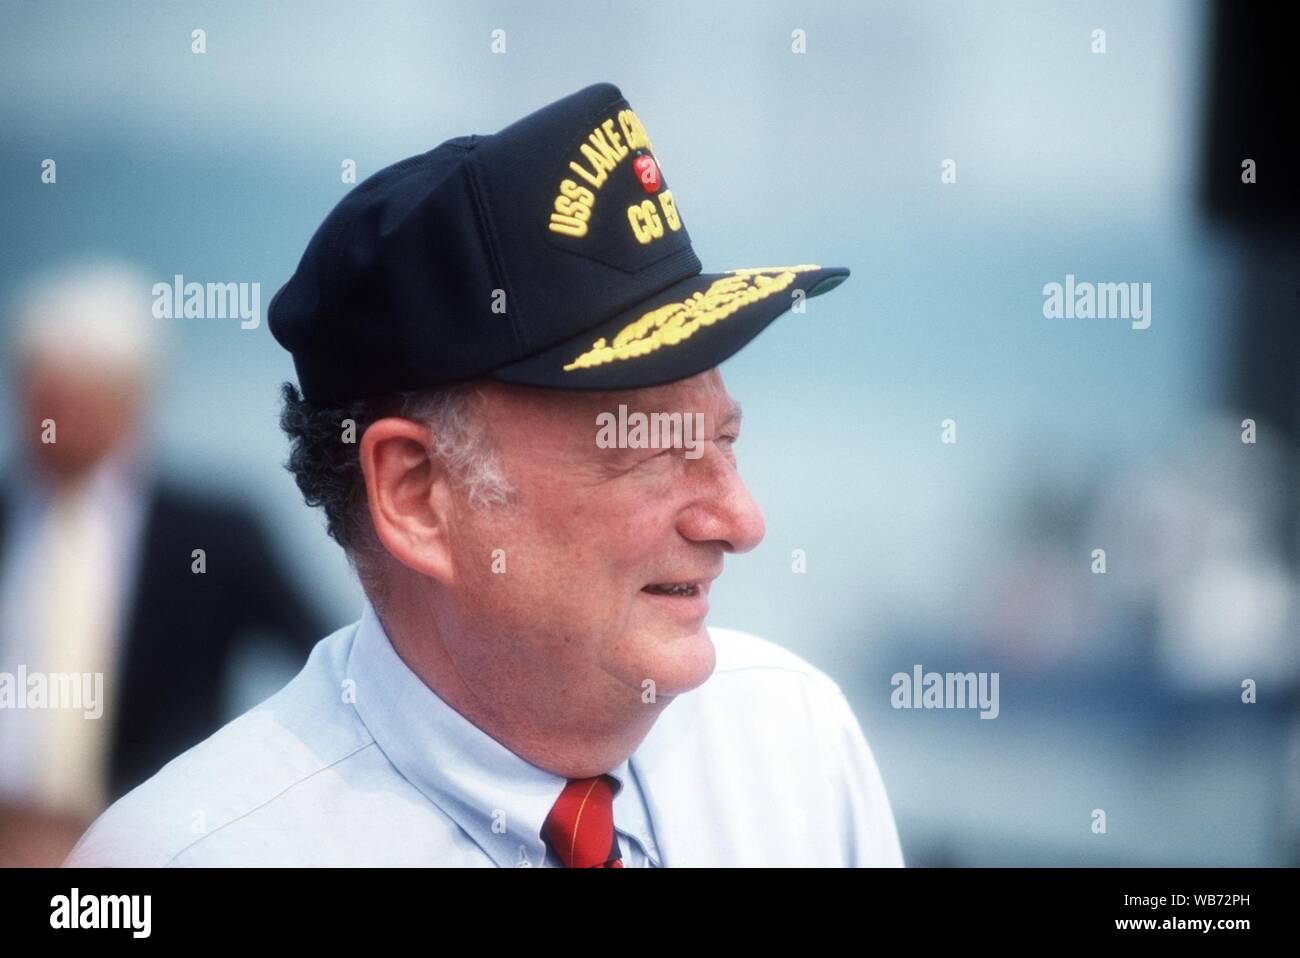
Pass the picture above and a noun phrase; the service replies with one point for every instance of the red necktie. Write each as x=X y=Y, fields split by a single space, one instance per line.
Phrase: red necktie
x=580 y=827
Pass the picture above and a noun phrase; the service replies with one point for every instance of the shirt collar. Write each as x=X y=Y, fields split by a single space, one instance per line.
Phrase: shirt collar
x=499 y=799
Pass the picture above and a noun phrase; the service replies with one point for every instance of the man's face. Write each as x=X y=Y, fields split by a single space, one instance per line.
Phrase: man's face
x=93 y=409
x=608 y=553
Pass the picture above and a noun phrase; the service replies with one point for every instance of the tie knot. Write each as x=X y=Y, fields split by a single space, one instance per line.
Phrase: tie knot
x=580 y=827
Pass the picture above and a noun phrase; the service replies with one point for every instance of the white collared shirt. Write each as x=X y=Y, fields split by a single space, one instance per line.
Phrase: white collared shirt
x=357 y=762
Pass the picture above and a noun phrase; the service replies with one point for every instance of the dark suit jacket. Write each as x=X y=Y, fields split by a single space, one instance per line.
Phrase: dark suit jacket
x=183 y=627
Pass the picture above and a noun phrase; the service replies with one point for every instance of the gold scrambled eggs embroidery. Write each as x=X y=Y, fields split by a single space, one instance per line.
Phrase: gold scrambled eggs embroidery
x=672 y=323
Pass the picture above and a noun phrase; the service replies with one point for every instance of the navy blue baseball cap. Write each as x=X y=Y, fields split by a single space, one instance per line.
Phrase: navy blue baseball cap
x=552 y=253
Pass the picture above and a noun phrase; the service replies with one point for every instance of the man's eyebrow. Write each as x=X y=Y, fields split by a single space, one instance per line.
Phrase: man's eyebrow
x=732 y=416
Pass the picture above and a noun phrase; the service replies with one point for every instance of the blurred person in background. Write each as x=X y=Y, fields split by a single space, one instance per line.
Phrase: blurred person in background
x=99 y=572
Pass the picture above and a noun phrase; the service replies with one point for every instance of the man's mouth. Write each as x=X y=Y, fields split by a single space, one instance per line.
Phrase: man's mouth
x=685 y=599
x=672 y=588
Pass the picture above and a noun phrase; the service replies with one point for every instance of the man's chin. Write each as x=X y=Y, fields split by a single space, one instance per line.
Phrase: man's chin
x=677 y=659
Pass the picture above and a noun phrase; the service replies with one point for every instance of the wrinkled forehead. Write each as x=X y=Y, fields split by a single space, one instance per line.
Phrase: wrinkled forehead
x=704 y=393
x=512 y=410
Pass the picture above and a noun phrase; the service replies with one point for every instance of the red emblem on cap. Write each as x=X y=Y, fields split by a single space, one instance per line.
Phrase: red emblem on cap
x=647 y=171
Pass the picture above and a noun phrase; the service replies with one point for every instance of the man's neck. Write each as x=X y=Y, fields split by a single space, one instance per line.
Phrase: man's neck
x=554 y=728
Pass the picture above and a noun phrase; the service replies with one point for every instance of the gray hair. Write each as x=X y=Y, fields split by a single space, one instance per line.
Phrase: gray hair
x=327 y=467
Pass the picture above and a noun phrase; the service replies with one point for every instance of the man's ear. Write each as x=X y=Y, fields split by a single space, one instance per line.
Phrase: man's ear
x=409 y=495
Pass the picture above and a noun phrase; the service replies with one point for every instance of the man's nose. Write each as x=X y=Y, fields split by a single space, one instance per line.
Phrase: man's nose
x=723 y=510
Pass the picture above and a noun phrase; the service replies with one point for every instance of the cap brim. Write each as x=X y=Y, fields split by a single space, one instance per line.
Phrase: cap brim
x=681 y=331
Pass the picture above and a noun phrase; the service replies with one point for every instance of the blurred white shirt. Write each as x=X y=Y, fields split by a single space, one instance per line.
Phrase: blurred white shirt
x=68 y=563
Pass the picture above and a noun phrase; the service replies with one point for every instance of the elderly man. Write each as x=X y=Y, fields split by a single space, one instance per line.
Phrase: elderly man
x=531 y=681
